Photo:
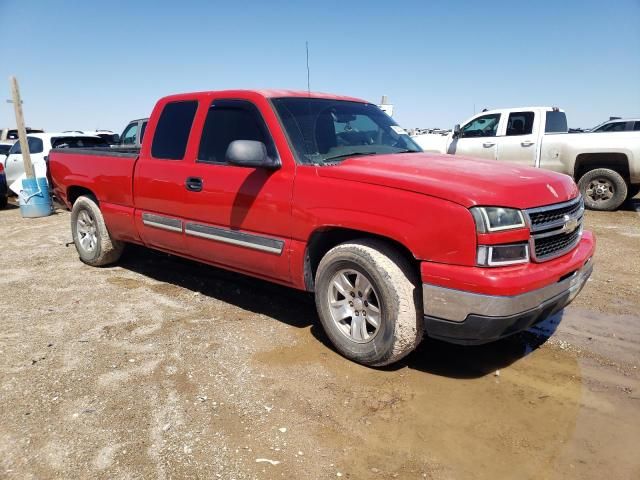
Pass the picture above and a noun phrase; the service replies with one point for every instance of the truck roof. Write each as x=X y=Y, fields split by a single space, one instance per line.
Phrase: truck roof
x=522 y=109
x=270 y=93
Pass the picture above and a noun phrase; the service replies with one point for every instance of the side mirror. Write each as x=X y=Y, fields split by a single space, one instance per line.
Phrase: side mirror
x=116 y=138
x=251 y=154
x=457 y=133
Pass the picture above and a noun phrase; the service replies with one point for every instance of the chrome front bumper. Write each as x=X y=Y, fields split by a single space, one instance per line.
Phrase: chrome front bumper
x=471 y=318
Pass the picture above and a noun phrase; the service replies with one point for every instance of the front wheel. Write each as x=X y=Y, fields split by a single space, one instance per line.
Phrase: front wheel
x=603 y=189
x=90 y=235
x=369 y=302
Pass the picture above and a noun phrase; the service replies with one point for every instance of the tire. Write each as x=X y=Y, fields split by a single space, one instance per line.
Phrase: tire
x=603 y=189
x=394 y=292
x=90 y=235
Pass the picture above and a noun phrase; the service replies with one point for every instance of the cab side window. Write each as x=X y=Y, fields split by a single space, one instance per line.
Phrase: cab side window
x=520 y=123
x=229 y=120
x=129 y=134
x=35 y=145
x=484 y=126
x=172 y=132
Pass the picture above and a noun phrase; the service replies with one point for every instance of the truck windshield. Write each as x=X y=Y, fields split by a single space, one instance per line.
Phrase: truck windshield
x=324 y=130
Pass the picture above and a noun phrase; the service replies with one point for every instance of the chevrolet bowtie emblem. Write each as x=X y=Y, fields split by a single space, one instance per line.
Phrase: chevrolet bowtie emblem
x=570 y=224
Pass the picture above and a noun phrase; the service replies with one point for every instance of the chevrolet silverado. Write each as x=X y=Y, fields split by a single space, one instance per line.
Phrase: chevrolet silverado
x=328 y=195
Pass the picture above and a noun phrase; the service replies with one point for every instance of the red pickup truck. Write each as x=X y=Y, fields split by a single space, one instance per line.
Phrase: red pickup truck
x=327 y=194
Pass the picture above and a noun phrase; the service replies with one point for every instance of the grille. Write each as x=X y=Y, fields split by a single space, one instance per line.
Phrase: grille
x=555 y=245
x=541 y=218
x=549 y=236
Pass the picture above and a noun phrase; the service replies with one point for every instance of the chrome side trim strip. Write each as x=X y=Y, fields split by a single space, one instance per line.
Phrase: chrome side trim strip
x=457 y=305
x=256 y=242
x=164 y=223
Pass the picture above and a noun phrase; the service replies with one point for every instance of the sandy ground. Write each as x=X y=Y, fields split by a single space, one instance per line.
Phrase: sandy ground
x=163 y=368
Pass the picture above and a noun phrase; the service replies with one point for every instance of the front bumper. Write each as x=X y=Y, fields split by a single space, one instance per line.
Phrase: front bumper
x=470 y=318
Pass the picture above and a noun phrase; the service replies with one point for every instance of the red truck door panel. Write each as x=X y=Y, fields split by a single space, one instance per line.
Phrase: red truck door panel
x=240 y=217
x=160 y=174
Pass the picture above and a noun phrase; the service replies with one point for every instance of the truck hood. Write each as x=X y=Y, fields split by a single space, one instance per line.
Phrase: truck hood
x=463 y=180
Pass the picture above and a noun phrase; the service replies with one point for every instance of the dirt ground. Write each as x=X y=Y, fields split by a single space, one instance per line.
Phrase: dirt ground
x=162 y=368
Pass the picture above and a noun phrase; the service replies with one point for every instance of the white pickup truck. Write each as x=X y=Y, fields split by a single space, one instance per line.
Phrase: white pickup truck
x=606 y=165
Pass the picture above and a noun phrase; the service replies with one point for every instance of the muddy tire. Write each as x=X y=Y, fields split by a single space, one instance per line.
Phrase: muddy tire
x=603 y=189
x=90 y=235
x=369 y=302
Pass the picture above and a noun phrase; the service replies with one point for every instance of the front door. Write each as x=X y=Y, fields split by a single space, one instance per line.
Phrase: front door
x=238 y=216
x=477 y=138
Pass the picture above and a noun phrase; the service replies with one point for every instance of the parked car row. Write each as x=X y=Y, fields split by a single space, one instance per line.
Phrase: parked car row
x=39 y=146
x=605 y=163
x=41 y=143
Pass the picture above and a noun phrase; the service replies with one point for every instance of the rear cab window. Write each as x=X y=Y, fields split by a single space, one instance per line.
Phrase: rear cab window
x=78 y=142
x=173 y=129
x=556 y=122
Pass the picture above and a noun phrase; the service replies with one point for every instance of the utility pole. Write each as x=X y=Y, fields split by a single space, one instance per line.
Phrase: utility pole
x=22 y=132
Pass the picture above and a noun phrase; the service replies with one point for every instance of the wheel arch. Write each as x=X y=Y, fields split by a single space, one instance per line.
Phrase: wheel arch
x=324 y=239
x=75 y=191
x=616 y=161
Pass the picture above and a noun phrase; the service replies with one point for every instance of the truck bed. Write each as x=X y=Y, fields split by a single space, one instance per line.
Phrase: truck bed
x=107 y=172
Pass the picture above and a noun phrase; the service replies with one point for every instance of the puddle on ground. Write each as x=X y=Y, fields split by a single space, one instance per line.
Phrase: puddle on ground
x=505 y=410
x=128 y=283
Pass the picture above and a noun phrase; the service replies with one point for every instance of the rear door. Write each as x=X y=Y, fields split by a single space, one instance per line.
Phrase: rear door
x=517 y=142
x=477 y=137
x=159 y=178
x=237 y=216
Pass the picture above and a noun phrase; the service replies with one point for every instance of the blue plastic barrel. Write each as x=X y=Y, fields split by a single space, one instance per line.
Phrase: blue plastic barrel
x=35 y=200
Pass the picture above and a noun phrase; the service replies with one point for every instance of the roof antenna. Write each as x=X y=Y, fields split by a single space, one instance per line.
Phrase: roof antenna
x=308 y=74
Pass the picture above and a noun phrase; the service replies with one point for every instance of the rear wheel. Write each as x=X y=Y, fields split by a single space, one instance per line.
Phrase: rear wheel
x=368 y=301
x=90 y=235
x=603 y=189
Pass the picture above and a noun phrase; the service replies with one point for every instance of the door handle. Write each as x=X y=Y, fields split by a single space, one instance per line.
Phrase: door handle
x=527 y=143
x=193 y=184
x=488 y=144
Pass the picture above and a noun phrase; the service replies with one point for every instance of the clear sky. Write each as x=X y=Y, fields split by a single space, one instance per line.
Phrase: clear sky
x=86 y=65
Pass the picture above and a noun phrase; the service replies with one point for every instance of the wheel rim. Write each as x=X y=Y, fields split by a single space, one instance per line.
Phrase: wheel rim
x=87 y=232
x=354 y=305
x=600 y=190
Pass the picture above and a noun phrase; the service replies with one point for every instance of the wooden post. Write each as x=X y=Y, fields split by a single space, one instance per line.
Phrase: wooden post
x=22 y=132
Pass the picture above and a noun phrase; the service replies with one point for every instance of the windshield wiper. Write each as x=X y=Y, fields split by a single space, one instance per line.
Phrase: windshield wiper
x=406 y=150
x=352 y=154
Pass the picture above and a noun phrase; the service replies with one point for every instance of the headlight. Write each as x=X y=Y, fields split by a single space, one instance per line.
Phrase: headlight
x=499 y=255
x=494 y=219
